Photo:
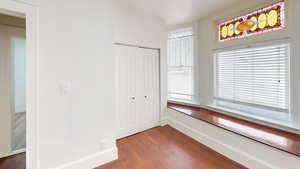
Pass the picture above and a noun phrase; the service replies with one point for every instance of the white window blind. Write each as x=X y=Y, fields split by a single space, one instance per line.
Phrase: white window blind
x=180 y=65
x=256 y=77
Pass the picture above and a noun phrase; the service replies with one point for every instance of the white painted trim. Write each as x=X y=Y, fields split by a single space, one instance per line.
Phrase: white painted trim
x=92 y=161
x=20 y=9
x=164 y=121
x=229 y=151
x=13 y=153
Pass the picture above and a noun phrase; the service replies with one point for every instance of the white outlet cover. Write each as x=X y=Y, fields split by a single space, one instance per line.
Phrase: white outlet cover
x=65 y=87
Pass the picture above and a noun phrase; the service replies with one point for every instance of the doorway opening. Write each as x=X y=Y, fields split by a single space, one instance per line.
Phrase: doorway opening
x=29 y=160
x=12 y=91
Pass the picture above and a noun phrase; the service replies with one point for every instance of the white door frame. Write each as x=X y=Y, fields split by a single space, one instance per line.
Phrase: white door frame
x=12 y=7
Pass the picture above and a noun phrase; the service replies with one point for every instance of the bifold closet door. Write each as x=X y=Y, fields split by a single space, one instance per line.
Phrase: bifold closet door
x=148 y=110
x=126 y=90
x=137 y=89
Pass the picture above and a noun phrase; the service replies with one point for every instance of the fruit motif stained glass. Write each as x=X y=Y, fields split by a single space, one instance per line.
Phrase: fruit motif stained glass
x=268 y=19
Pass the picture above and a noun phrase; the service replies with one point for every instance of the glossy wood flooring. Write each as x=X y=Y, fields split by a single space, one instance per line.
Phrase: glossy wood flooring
x=166 y=148
x=14 y=162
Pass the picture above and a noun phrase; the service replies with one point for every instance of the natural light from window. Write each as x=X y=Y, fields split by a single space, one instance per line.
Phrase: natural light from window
x=180 y=65
x=254 y=79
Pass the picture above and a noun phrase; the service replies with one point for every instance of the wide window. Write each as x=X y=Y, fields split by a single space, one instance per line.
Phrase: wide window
x=180 y=65
x=254 y=79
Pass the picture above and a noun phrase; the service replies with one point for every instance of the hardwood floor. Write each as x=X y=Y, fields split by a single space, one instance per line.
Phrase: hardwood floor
x=14 y=162
x=166 y=148
x=157 y=148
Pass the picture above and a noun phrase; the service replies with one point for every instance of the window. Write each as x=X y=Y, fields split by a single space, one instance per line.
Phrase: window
x=254 y=80
x=180 y=65
x=268 y=19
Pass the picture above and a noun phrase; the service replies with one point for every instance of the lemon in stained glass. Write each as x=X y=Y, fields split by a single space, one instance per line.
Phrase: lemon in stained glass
x=254 y=20
x=262 y=21
x=236 y=30
x=230 y=30
x=224 y=31
x=272 y=18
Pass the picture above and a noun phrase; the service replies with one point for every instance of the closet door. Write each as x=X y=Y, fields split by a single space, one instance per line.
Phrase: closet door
x=137 y=89
x=127 y=120
x=149 y=116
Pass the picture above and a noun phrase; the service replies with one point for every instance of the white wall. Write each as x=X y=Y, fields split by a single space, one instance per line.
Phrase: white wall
x=76 y=77
x=136 y=27
x=76 y=67
x=7 y=35
x=252 y=154
x=19 y=53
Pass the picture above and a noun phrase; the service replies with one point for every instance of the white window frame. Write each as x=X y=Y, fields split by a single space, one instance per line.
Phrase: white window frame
x=194 y=97
x=285 y=120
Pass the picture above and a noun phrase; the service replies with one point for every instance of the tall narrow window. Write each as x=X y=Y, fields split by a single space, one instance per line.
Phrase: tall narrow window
x=180 y=65
x=254 y=79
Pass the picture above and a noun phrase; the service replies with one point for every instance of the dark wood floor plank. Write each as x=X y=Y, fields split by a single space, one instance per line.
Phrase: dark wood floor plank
x=14 y=162
x=166 y=148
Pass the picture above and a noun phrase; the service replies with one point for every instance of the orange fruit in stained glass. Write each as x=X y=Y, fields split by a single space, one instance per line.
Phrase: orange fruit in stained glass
x=230 y=30
x=262 y=21
x=245 y=26
x=224 y=31
x=272 y=18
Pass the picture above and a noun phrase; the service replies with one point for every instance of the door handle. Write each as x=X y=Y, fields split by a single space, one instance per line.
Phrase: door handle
x=146 y=97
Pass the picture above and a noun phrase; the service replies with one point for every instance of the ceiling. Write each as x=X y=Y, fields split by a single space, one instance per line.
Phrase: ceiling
x=182 y=11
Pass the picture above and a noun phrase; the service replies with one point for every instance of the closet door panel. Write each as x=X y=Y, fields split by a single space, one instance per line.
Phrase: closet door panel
x=140 y=89
x=154 y=89
x=151 y=89
x=126 y=93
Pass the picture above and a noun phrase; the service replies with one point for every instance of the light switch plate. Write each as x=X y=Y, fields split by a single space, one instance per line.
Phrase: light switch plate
x=65 y=88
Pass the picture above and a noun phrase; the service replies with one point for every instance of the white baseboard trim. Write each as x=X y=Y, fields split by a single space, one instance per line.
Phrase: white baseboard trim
x=92 y=161
x=13 y=153
x=227 y=150
x=163 y=121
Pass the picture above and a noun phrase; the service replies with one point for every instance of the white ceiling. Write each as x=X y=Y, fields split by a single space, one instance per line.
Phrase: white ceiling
x=181 y=11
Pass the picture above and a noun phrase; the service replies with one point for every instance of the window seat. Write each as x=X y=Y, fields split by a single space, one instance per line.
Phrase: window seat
x=281 y=140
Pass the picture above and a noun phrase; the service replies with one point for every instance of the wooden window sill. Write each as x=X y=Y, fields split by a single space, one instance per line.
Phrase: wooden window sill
x=281 y=140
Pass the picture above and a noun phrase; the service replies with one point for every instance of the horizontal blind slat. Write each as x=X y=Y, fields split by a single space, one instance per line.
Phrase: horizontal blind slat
x=257 y=76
